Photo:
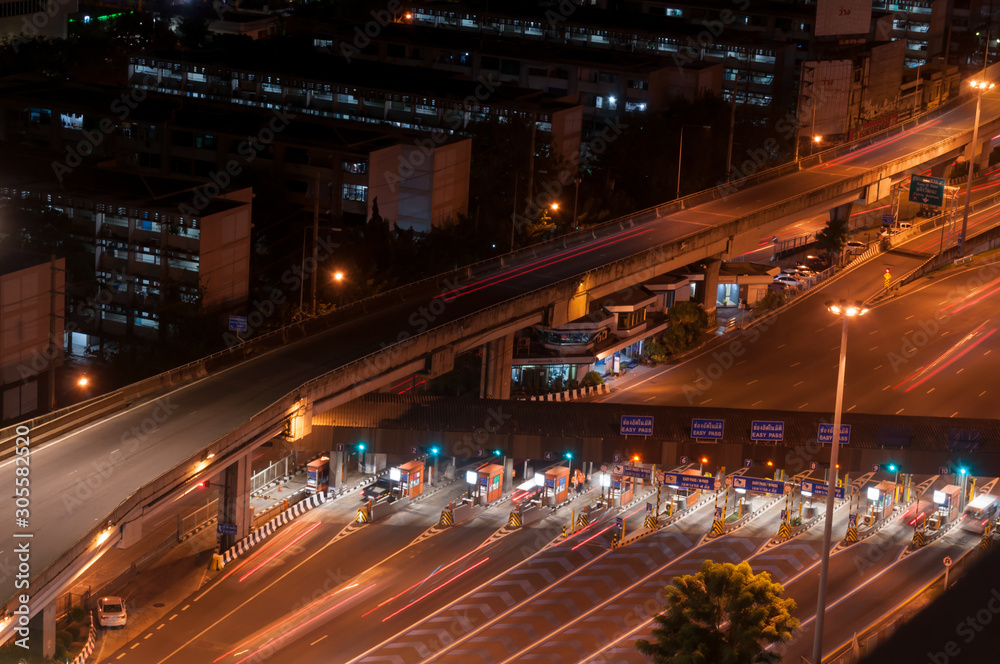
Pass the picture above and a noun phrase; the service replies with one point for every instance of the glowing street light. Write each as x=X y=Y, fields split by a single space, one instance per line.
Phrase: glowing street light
x=979 y=87
x=846 y=310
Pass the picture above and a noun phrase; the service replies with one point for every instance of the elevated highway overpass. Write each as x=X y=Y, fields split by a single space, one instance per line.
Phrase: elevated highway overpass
x=97 y=479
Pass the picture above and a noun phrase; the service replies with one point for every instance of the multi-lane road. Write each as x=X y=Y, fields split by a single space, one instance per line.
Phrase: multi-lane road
x=924 y=352
x=404 y=590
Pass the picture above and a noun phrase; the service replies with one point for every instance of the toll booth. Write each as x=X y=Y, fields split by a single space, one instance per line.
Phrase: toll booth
x=622 y=489
x=490 y=483
x=318 y=475
x=411 y=479
x=557 y=484
x=946 y=504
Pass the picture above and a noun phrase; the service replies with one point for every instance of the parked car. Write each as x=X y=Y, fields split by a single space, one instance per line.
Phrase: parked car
x=905 y=225
x=805 y=271
x=111 y=612
x=789 y=280
x=855 y=247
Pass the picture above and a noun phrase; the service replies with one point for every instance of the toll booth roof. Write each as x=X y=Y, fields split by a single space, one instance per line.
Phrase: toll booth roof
x=491 y=469
x=561 y=471
x=951 y=489
x=885 y=486
x=412 y=465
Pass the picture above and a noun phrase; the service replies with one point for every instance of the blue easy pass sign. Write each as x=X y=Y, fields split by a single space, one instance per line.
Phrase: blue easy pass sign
x=821 y=489
x=763 y=430
x=826 y=433
x=711 y=429
x=637 y=425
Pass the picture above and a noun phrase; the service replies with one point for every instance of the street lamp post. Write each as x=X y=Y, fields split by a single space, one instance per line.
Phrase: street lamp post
x=979 y=86
x=680 y=153
x=576 y=196
x=846 y=311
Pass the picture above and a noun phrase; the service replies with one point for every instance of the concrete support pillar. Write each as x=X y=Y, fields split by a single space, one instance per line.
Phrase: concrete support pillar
x=497 y=357
x=336 y=469
x=234 y=501
x=44 y=623
x=711 y=287
x=508 y=475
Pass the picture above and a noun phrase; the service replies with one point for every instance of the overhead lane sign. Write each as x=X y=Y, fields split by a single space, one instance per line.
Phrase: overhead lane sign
x=821 y=489
x=769 y=431
x=825 y=434
x=926 y=190
x=637 y=472
x=637 y=425
x=711 y=429
x=693 y=482
x=758 y=485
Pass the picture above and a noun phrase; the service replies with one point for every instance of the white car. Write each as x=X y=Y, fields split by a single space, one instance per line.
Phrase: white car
x=789 y=280
x=855 y=247
x=111 y=612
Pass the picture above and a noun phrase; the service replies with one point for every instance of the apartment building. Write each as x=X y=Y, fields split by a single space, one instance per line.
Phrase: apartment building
x=156 y=244
x=32 y=312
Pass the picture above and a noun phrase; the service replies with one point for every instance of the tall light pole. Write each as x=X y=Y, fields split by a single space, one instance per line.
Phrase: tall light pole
x=846 y=310
x=979 y=86
x=680 y=153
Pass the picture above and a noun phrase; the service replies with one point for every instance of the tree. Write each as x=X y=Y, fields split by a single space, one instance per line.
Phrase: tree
x=687 y=320
x=724 y=614
x=833 y=236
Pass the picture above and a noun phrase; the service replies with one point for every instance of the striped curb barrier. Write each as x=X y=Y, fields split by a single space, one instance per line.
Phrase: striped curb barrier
x=447 y=518
x=88 y=648
x=574 y=394
x=263 y=532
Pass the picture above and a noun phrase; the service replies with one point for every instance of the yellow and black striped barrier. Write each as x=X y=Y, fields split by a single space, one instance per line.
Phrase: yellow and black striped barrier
x=784 y=532
x=515 y=519
x=362 y=515
x=986 y=542
x=717 y=528
x=583 y=520
x=651 y=522
x=614 y=540
x=446 y=517
x=852 y=535
x=918 y=538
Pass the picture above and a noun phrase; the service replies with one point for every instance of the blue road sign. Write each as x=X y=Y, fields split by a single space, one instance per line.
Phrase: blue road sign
x=620 y=524
x=875 y=467
x=226 y=529
x=637 y=425
x=710 y=429
x=684 y=460
x=340 y=447
x=548 y=456
x=718 y=514
x=926 y=190
x=481 y=453
x=763 y=430
x=747 y=463
x=852 y=520
x=617 y=458
x=944 y=470
x=637 y=472
x=693 y=482
x=821 y=489
x=887 y=219
x=414 y=450
x=825 y=434
x=813 y=465
x=757 y=484
x=649 y=507
x=237 y=323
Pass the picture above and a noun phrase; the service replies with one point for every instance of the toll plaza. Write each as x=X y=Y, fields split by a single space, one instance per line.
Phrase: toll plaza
x=318 y=475
x=490 y=484
x=411 y=479
x=946 y=505
x=556 y=487
x=622 y=489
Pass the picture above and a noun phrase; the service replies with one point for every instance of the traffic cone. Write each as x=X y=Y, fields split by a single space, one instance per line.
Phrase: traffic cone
x=279 y=486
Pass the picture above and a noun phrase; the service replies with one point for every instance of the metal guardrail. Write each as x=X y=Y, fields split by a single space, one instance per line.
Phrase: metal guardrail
x=279 y=470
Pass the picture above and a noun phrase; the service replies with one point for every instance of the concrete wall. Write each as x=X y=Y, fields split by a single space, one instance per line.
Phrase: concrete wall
x=224 y=267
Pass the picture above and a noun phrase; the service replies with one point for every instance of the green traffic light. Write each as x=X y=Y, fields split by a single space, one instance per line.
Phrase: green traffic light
x=569 y=455
x=497 y=453
x=892 y=467
x=361 y=447
x=434 y=450
x=961 y=471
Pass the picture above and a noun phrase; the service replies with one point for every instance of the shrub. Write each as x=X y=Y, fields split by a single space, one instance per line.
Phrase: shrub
x=592 y=378
x=772 y=300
